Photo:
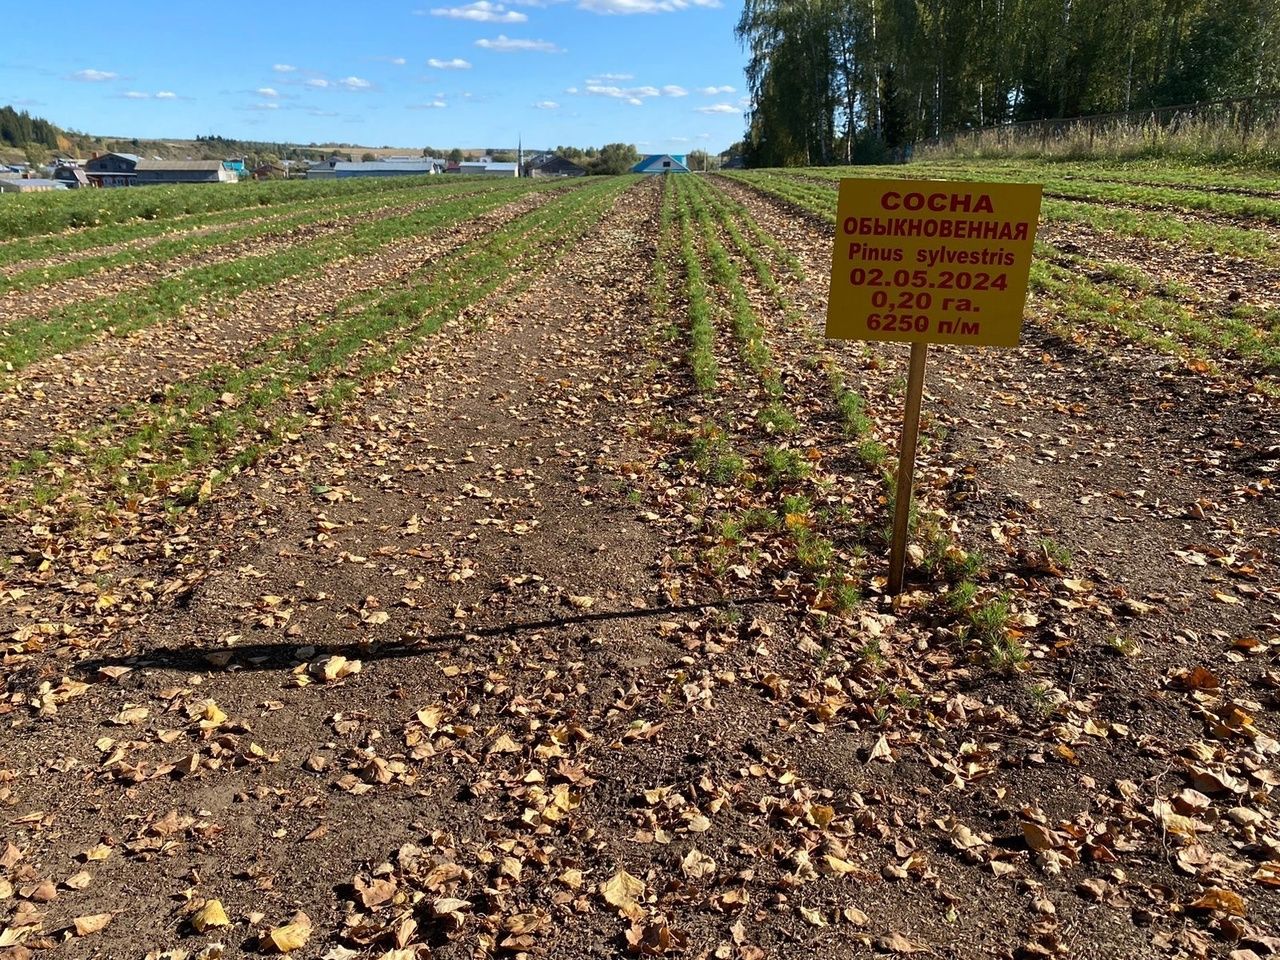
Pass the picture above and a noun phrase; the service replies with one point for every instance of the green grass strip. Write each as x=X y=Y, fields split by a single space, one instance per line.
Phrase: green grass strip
x=29 y=340
x=190 y=430
x=233 y=232
x=34 y=214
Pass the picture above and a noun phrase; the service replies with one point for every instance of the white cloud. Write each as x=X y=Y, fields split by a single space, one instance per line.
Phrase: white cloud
x=679 y=139
x=718 y=108
x=271 y=92
x=318 y=82
x=398 y=61
x=159 y=95
x=546 y=105
x=355 y=83
x=673 y=90
x=94 y=76
x=612 y=77
x=430 y=105
x=505 y=44
x=642 y=6
x=714 y=91
x=322 y=113
x=283 y=67
x=263 y=106
x=457 y=63
x=481 y=11
x=570 y=89
x=632 y=95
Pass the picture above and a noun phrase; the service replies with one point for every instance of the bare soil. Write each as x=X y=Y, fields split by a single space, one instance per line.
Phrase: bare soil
x=447 y=675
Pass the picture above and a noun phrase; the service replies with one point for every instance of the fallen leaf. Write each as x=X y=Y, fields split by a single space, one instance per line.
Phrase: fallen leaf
x=1216 y=898
x=813 y=916
x=621 y=890
x=211 y=914
x=289 y=937
x=697 y=865
x=897 y=943
x=92 y=923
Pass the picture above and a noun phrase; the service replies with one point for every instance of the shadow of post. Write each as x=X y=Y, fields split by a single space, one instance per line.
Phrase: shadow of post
x=277 y=654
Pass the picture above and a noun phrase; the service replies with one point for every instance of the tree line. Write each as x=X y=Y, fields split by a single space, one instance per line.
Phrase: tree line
x=844 y=81
x=17 y=129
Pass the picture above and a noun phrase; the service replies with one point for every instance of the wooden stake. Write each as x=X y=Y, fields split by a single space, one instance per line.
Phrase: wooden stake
x=906 y=467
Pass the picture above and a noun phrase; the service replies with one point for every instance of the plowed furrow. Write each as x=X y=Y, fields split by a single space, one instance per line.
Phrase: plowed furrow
x=66 y=393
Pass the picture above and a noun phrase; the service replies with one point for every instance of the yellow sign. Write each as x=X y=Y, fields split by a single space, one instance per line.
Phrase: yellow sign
x=932 y=261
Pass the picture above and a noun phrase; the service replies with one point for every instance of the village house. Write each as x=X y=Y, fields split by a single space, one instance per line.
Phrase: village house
x=112 y=169
x=73 y=177
x=662 y=163
x=35 y=185
x=151 y=172
x=487 y=168
x=275 y=170
x=334 y=168
x=554 y=167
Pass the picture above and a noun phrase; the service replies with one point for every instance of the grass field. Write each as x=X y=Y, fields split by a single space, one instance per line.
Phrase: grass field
x=454 y=568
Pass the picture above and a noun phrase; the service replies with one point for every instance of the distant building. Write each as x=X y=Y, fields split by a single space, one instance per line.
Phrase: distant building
x=662 y=163
x=73 y=177
x=489 y=169
x=276 y=170
x=344 y=169
x=151 y=172
x=30 y=186
x=555 y=167
x=236 y=166
x=112 y=169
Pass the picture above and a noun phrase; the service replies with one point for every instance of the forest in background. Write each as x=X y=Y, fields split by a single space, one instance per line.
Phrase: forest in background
x=849 y=81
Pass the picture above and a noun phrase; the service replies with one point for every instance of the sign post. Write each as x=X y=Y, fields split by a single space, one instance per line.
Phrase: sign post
x=929 y=261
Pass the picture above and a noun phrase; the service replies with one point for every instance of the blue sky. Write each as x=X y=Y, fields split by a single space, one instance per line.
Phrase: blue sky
x=663 y=74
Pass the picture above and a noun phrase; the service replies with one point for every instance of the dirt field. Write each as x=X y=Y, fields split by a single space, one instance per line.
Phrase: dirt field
x=500 y=572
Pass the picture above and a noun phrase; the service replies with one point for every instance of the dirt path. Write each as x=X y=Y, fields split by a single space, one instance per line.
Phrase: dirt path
x=451 y=505
x=85 y=385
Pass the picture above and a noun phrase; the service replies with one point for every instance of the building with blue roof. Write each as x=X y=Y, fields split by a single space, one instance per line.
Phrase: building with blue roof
x=662 y=163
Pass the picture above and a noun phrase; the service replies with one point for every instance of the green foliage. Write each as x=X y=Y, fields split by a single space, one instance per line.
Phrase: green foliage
x=702 y=359
x=17 y=129
x=28 y=215
x=32 y=338
x=850 y=80
x=714 y=455
x=960 y=597
x=1059 y=555
x=776 y=419
x=615 y=158
x=365 y=336
x=784 y=468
